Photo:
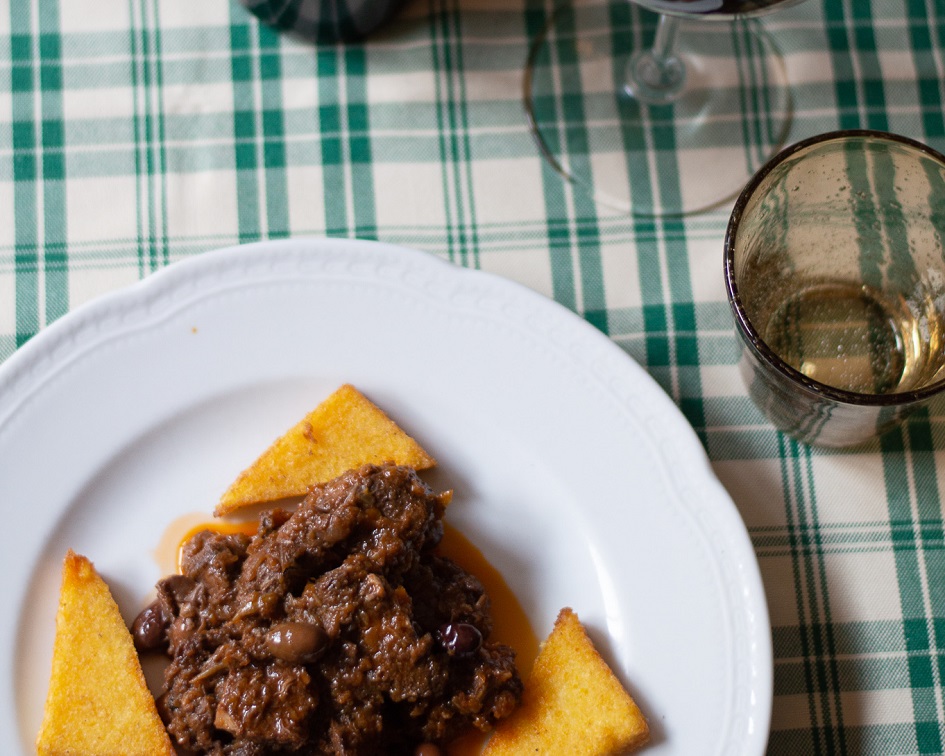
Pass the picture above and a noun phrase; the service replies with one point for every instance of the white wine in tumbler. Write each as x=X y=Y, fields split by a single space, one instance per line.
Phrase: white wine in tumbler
x=857 y=338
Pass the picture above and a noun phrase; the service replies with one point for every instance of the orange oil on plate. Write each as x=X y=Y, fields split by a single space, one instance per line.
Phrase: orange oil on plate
x=510 y=623
x=168 y=552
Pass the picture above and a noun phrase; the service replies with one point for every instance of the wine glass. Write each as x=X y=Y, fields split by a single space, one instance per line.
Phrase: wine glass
x=658 y=115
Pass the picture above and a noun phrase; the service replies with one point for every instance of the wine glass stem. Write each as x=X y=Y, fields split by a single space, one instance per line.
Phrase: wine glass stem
x=656 y=76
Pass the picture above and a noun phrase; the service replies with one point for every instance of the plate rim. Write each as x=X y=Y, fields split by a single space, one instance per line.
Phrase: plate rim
x=24 y=373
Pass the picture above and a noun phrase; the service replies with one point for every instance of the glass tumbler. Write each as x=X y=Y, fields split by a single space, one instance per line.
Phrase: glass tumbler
x=835 y=272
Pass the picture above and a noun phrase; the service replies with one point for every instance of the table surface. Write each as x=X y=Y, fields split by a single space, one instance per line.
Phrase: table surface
x=134 y=134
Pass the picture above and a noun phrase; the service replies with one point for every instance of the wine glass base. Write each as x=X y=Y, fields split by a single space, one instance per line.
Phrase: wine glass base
x=687 y=156
x=654 y=82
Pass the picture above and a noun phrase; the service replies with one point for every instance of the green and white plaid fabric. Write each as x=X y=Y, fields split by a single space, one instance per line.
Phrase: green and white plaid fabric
x=137 y=132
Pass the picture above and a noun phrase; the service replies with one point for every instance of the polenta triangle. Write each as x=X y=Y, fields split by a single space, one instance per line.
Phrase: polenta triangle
x=345 y=431
x=98 y=702
x=573 y=703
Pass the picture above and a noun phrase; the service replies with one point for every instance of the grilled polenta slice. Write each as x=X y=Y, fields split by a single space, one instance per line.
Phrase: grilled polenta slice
x=345 y=431
x=98 y=702
x=573 y=703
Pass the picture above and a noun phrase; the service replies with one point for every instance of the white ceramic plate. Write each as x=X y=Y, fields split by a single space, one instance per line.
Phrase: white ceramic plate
x=574 y=473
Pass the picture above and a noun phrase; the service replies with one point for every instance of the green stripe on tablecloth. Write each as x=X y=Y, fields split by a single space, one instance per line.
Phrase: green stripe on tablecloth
x=846 y=538
x=929 y=88
x=657 y=138
x=346 y=149
x=580 y=265
x=667 y=157
x=444 y=135
x=555 y=189
x=139 y=129
x=893 y=738
x=930 y=534
x=273 y=134
x=360 y=152
x=682 y=324
x=855 y=111
x=556 y=230
x=444 y=43
x=806 y=587
x=151 y=164
x=792 y=517
x=52 y=136
x=687 y=349
x=25 y=175
x=145 y=170
x=655 y=321
x=845 y=94
x=245 y=158
x=824 y=628
x=899 y=497
x=754 y=110
x=871 y=76
x=655 y=318
x=162 y=253
x=880 y=205
x=626 y=16
x=329 y=128
x=575 y=140
x=887 y=672
x=151 y=78
x=879 y=643
x=929 y=528
x=739 y=45
x=451 y=76
x=585 y=257
x=499 y=237
x=575 y=240
x=462 y=104
x=818 y=597
x=767 y=133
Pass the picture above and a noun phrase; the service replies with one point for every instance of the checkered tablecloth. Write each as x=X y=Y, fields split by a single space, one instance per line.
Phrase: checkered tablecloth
x=134 y=133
